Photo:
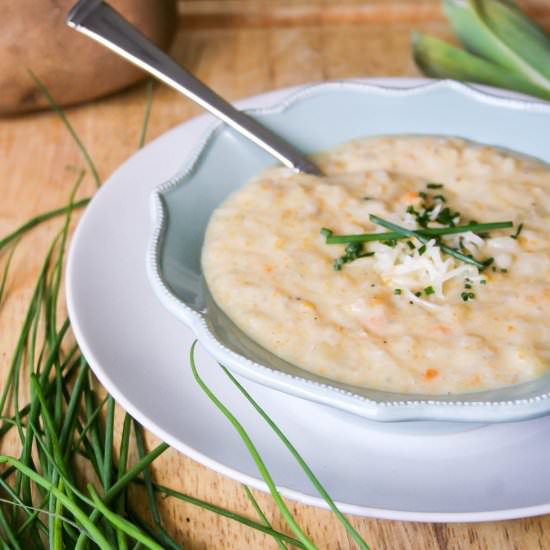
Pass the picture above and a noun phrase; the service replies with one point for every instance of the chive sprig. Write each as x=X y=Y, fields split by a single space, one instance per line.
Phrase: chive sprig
x=425 y=232
x=404 y=232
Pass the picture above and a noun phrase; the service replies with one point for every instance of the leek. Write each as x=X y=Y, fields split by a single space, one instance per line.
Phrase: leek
x=503 y=48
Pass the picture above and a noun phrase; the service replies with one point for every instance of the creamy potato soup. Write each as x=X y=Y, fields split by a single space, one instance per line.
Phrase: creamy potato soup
x=384 y=274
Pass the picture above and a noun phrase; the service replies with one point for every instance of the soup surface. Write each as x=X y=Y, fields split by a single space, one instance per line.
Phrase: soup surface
x=417 y=313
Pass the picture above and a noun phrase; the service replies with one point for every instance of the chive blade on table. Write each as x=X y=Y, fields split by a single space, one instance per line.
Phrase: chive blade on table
x=167 y=491
x=153 y=507
x=254 y=454
x=41 y=218
x=298 y=457
x=54 y=106
x=120 y=523
x=5 y=273
x=121 y=502
x=90 y=530
x=260 y=512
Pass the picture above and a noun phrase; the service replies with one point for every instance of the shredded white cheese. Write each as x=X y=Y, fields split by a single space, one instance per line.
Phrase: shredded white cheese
x=410 y=271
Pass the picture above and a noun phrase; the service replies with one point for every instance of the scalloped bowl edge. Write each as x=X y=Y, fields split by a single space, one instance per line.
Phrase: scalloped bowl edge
x=327 y=394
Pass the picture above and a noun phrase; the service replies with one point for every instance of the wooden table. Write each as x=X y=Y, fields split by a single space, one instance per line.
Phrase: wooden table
x=240 y=48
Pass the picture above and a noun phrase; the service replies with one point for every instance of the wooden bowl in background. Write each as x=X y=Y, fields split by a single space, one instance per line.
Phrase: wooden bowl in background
x=73 y=67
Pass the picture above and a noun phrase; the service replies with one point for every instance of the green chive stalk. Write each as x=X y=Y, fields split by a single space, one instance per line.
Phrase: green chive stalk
x=424 y=240
x=253 y=453
x=424 y=231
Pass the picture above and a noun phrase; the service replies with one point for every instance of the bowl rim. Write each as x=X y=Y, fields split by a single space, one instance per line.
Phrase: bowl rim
x=425 y=408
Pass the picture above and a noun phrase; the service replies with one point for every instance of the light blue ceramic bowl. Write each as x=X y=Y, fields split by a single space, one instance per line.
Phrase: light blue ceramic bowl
x=312 y=119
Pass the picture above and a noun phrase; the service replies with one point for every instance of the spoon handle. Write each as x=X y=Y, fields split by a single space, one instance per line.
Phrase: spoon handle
x=98 y=20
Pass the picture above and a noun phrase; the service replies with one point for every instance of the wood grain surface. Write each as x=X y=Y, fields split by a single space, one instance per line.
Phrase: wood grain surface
x=240 y=48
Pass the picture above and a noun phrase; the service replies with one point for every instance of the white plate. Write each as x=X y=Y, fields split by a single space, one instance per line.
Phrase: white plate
x=139 y=351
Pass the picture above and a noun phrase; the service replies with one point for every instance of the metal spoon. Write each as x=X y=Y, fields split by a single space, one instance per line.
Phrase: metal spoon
x=98 y=20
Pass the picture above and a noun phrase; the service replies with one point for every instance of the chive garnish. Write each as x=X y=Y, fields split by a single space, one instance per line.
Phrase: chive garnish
x=367 y=198
x=354 y=251
x=440 y=198
x=424 y=240
x=488 y=262
x=447 y=217
x=397 y=291
x=425 y=231
x=433 y=185
x=467 y=296
x=518 y=231
x=429 y=290
x=362 y=238
x=421 y=250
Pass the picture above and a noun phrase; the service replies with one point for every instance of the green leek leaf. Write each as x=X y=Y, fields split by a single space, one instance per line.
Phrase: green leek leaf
x=473 y=30
x=441 y=60
x=523 y=36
